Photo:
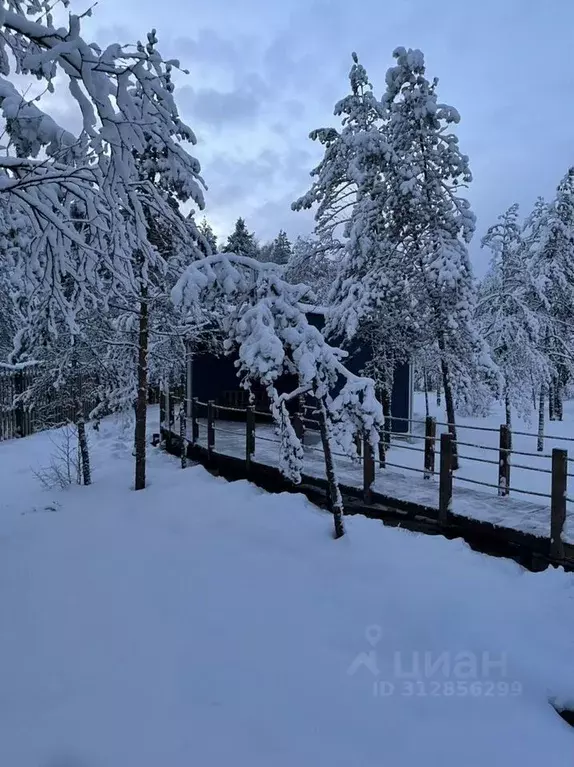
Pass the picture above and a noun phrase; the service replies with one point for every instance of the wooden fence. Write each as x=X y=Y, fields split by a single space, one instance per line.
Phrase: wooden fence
x=436 y=457
x=19 y=418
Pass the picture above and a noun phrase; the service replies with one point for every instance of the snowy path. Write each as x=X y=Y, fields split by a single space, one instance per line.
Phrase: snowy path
x=205 y=622
x=515 y=511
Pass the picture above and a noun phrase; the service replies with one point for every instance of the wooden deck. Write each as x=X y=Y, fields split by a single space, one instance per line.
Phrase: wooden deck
x=396 y=500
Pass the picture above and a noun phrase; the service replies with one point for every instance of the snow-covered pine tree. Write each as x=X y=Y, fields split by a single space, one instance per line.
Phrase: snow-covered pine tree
x=310 y=263
x=281 y=248
x=551 y=257
x=370 y=296
x=432 y=223
x=265 y=252
x=534 y=235
x=161 y=187
x=241 y=241
x=206 y=231
x=508 y=316
x=10 y=242
x=336 y=178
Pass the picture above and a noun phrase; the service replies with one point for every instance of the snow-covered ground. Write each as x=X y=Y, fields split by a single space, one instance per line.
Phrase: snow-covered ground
x=201 y=622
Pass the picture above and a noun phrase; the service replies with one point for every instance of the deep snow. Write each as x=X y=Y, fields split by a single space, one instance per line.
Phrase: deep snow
x=206 y=623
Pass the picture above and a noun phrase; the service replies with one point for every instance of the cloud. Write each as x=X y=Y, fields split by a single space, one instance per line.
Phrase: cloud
x=264 y=74
x=260 y=189
x=209 y=48
x=267 y=219
x=219 y=109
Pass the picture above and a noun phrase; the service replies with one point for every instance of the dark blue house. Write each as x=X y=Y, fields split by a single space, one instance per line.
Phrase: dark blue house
x=215 y=378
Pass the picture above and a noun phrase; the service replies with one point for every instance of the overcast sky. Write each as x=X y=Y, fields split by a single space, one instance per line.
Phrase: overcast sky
x=266 y=72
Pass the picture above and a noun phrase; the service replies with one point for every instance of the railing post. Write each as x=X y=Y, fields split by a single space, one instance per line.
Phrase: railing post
x=298 y=426
x=558 y=501
x=183 y=434
x=430 y=439
x=504 y=460
x=249 y=435
x=445 y=485
x=210 y=428
x=388 y=431
x=382 y=448
x=194 y=424
x=368 y=471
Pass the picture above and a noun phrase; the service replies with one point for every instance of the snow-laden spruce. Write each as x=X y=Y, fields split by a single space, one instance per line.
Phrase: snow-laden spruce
x=311 y=264
x=278 y=251
x=509 y=318
x=367 y=297
x=392 y=176
x=337 y=176
x=372 y=296
x=550 y=256
x=433 y=223
x=241 y=241
x=205 y=230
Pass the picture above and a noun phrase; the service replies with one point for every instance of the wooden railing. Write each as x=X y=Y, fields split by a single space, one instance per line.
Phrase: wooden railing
x=20 y=417
x=196 y=414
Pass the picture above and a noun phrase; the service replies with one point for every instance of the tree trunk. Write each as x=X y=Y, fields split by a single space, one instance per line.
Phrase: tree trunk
x=141 y=402
x=386 y=403
x=507 y=409
x=540 y=443
x=84 y=451
x=426 y=387
x=333 y=486
x=438 y=401
x=449 y=402
x=559 y=402
x=84 y=470
x=551 y=400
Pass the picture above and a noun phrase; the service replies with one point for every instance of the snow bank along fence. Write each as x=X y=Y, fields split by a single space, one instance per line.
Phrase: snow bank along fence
x=194 y=414
x=19 y=418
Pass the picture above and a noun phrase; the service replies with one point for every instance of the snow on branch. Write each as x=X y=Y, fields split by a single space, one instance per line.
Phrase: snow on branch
x=266 y=325
x=52 y=178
